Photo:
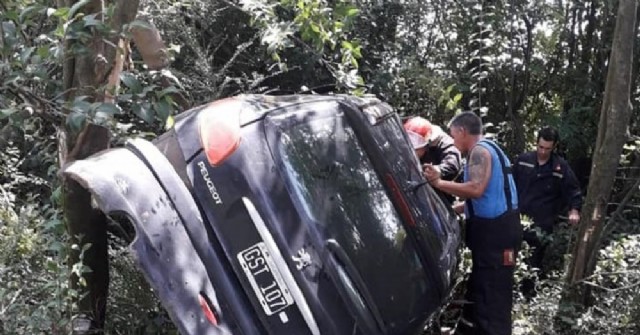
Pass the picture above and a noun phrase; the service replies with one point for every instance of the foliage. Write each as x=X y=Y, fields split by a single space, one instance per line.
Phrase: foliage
x=524 y=63
x=34 y=296
x=318 y=25
x=31 y=54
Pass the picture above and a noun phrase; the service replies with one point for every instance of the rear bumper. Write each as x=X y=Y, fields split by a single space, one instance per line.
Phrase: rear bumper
x=171 y=247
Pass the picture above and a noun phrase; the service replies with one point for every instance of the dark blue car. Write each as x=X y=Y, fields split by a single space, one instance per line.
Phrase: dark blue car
x=302 y=214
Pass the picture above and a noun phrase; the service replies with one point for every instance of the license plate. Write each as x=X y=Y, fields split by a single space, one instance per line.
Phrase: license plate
x=265 y=279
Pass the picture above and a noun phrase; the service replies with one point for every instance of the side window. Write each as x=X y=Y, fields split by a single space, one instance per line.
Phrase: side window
x=390 y=137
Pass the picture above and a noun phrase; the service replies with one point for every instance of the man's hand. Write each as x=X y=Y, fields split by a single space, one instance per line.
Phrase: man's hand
x=458 y=207
x=574 y=216
x=432 y=173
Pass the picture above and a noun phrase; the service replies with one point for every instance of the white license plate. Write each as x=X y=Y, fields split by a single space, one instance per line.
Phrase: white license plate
x=265 y=279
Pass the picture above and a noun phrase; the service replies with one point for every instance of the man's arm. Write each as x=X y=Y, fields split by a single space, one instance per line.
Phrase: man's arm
x=451 y=160
x=479 y=174
x=571 y=194
x=515 y=169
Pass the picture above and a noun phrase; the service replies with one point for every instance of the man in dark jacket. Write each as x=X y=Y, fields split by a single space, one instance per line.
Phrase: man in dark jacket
x=547 y=188
x=435 y=147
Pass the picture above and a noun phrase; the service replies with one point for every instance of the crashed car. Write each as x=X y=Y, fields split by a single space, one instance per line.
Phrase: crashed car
x=301 y=214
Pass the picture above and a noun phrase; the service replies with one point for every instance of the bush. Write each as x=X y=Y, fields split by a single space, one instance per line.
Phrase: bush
x=615 y=286
x=35 y=297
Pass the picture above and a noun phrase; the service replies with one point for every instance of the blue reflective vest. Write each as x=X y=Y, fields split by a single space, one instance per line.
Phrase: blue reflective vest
x=493 y=202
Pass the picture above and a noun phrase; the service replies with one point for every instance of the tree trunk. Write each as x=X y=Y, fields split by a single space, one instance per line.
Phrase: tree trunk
x=614 y=119
x=87 y=74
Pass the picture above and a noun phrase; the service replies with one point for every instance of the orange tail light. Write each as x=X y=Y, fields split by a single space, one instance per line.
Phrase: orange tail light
x=219 y=128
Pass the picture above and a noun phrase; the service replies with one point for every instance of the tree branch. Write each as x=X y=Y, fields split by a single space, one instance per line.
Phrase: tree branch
x=623 y=204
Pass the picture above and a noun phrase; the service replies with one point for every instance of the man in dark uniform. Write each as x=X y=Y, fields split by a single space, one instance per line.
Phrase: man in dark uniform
x=547 y=187
x=493 y=230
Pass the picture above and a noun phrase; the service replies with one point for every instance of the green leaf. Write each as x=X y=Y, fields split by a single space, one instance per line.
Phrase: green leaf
x=148 y=89
x=163 y=109
x=79 y=105
x=43 y=52
x=56 y=195
x=144 y=112
x=140 y=24
x=357 y=53
x=75 y=121
x=28 y=11
x=352 y=12
x=59 y=32
x=170 y=122
x=168 y=90
x=77 y=6
x=52 y=266
x=337 y=26
x=360 y=91
x=62 y=12
x=91 y=21
x=131 y=82
x=107 y=109
x=346 y=10
x=26 y=54
x=85 y=247
x=12 y=15
x=6 y=112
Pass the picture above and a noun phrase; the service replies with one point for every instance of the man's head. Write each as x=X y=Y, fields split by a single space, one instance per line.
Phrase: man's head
x=465 y=129
x=419 y=130
x=548 y=139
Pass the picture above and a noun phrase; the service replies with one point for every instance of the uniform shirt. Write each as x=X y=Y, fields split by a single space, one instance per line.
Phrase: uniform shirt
x=545 y=191
x=493 y=202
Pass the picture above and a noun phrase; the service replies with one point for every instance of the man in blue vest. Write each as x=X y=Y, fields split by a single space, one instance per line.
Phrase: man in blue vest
x=547 y=187
x=493 y=230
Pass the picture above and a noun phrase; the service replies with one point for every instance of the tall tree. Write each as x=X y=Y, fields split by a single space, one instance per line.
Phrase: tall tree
x=614 y=119
x=93 y=55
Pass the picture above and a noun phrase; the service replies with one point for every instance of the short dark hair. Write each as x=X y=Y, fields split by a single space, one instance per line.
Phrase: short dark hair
x=548 y=134
x=469 y=121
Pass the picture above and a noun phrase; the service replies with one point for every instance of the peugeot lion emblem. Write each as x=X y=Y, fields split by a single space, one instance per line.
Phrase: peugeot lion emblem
x=303 y=259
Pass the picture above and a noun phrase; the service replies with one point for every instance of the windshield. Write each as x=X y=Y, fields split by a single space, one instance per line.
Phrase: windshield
x=337 y=189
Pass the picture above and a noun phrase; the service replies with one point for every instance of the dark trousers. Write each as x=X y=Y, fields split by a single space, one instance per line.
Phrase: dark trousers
x=494 y=245
x=535 y=260
x=490 y=296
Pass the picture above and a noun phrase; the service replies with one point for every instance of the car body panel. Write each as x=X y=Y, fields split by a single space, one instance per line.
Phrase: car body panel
x=121 y=183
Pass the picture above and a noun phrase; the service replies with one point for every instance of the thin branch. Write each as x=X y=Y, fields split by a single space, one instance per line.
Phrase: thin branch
x=627 y=198
x=623 y=288
x=47 y=109
x=6 y=198
x=13 y=300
